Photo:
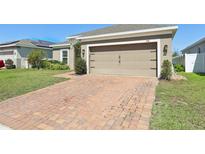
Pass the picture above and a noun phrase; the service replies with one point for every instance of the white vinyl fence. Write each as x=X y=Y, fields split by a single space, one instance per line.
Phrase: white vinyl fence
x=192 y=62
x=179 y=60
x=195 y=63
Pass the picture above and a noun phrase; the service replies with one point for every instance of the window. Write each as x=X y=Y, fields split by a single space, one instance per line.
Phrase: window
x=199 y=50
x=65 y=56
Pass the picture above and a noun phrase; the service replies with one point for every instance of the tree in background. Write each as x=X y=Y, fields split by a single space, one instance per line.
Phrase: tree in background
x=35 y=58
x=175 y=54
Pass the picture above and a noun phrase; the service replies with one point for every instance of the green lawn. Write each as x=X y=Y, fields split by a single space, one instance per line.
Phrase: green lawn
x=180 y=104
x=20 y=81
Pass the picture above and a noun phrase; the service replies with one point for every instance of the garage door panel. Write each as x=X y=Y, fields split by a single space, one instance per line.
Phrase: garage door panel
x=138 y=72
x=124 y=62
x=129 y=56
x=104 y=64
x=104 y=57
x=124 y=52
x=136 y=65
x=141 y=46
x=135 y=58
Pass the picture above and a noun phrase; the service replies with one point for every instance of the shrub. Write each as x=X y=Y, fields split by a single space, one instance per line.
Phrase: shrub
x=77 y=47
x=54 y=65
x=35 y=58
x=2 y=63
x=55 y=62
x=10 y=64
x=179 y=68
x=166 y=72
x=80 y=66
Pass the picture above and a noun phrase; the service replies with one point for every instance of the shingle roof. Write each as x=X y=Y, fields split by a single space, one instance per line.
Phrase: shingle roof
x=42 y=43
x=123 y=28
x=30 y=43
x=10 y=42
x=194 y=44
x=59 y=43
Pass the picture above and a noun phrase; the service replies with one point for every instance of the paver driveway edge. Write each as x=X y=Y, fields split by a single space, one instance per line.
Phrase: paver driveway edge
x=83 y=102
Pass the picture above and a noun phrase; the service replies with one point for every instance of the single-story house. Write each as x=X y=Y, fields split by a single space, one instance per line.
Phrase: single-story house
x=196 y=47
x=61 y=52
x=127 y=49
x=19 y=50
x=193 y=57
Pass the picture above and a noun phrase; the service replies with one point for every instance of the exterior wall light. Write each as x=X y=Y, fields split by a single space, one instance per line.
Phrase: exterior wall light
x=83 y=53
x=165 y=49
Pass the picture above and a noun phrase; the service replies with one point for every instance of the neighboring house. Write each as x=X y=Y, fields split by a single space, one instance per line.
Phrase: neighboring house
x=197 y=47
x=193 y=57
x=19 y=50
x=61 y=52
x=129 y=49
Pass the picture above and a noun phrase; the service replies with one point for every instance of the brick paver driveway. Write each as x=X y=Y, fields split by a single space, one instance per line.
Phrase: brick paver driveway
x=85 y=102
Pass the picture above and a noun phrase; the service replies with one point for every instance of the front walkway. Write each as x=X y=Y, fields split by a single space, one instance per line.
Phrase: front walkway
x=83 y=102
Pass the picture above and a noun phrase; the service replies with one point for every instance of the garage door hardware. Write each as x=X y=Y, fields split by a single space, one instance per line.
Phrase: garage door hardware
x=119 y=59
x=153 y=68
x=92 y=66
x=153 y=60
x=153 y=51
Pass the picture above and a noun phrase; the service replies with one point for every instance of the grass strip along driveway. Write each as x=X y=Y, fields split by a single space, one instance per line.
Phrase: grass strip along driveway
x=180 y=104
x=20 y=81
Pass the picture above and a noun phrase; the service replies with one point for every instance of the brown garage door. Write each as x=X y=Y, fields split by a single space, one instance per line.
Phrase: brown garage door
x=132 y=59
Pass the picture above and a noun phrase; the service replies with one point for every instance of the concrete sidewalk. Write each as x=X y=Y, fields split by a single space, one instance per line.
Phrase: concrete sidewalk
x=3 y=127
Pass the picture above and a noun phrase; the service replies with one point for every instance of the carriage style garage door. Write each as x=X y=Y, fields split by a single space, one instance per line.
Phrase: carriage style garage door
x=129 y=59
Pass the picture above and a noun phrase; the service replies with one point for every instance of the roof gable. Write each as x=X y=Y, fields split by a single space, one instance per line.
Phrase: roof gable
x=123 y=28
x=29 y=43
x=194 y=44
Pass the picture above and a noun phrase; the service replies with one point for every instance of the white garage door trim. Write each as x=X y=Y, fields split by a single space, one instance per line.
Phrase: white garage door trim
x=128 y=42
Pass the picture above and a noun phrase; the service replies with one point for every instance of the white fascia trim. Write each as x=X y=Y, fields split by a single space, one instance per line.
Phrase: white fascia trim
x=47 y=48
x=129 y=32
x=9 y=45
x=18 y=45
x=57 y=45
x=61 y=55
x=70 y=37
x=128 y=42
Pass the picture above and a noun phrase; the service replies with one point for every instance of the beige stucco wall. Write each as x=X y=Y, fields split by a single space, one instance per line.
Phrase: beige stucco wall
x=56 y=54
x=128 y=36
x=163 y=42
x=72 y=53
x=194 y=49
x=165 y=38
